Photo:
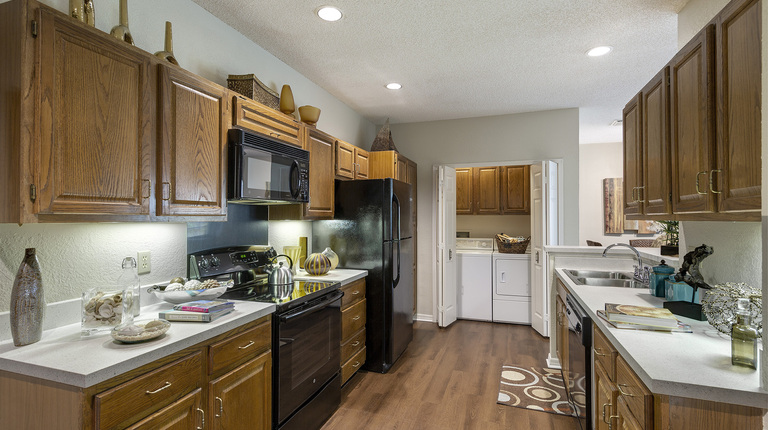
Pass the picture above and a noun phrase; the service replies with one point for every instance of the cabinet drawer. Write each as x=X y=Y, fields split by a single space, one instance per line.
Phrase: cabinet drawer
x=241 y=347
x=352 y=319
x=147 y=393
x=353 y=292
x=261 y=119
x=352 y=365
x=351 y=346
x=604 y=353
x=638 y=398
x=181 y=415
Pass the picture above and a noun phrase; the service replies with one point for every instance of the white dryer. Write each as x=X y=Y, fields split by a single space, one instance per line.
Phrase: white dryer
x=474 y=281
x=512 y=288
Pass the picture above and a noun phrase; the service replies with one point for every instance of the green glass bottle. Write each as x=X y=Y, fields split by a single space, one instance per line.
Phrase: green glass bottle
x=743 y=338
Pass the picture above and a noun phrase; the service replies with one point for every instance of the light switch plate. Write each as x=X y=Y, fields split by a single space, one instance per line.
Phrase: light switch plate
x=144 y=262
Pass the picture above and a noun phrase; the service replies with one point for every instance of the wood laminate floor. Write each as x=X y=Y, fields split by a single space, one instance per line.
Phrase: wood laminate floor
x=448 y=379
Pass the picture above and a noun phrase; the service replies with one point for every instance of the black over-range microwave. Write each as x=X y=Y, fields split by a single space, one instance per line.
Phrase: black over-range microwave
x=264 y=171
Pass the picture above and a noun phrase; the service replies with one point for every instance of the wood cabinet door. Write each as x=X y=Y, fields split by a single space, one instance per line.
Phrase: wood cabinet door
x=96 y=115
x=487 y=191
x=605 y=399
x=464 y=202
x=256 y=117
x=183 y=414
x=345 y=160
x=633 y=156
x=625 y=419
x=655 y=151
x=402 y=169
x=242 y=398
x=361 y=164
x=516 y=190
x=737 y=176
x=192 y=158
x=321 y=174
x=692 y=122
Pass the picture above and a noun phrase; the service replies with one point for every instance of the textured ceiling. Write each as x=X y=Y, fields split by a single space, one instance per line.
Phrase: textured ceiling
x=459 y=59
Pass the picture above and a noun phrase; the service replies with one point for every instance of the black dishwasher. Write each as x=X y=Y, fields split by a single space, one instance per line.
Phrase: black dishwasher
x=579 y=378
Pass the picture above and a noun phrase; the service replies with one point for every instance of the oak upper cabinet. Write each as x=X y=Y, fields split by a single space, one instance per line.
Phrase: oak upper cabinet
x=194 y=118
x=655 y=146
x=486 y=190
x=464 y=202
x=633 y=172
x=321 y=174
x=391 y=164
x=351 y=161
x=94 y=148
x=515 y=190
x=259 y=118
x=737 y=173
x=692 y=124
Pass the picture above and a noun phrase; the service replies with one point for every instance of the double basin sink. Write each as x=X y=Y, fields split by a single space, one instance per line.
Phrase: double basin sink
x=597 y=278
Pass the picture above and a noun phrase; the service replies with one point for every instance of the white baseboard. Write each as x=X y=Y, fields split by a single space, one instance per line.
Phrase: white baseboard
x=424 y=317
x=553 y=362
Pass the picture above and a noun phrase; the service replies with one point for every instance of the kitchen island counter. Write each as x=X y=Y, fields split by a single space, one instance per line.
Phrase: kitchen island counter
x=692 y=365
x=63 y=356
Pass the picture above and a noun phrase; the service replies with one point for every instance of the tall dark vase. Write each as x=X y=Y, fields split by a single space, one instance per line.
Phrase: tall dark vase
x=27 y=302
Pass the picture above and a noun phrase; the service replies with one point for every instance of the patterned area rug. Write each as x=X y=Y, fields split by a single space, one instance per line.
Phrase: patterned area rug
x=540 y=389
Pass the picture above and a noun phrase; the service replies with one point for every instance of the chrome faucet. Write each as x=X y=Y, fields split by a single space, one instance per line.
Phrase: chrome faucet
x=642 y=273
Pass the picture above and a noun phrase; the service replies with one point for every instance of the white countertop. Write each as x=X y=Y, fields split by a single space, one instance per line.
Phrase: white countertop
x=695 y=365
x=344 y=276
x=62 y=355
x=646 y=253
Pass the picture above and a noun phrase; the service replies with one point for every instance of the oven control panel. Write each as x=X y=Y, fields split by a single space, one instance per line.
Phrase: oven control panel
x=220 y=261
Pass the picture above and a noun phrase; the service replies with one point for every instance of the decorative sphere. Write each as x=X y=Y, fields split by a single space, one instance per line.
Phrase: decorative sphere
x=317 y=264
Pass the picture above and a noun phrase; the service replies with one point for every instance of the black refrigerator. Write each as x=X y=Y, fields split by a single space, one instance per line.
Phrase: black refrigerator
x=371 y=230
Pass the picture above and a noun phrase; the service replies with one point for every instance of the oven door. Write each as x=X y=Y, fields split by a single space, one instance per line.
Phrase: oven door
x=308 y=351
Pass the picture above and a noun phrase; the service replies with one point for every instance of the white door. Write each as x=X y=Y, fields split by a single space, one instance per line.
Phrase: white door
x=446 y=252
x=539 y=305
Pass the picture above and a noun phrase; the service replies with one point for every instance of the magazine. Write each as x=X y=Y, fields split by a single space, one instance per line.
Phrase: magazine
x=204 y=306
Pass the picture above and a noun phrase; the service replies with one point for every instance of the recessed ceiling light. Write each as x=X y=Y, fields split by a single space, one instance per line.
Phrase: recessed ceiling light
x=599 y=51
x=329 y=13
x=394 y=86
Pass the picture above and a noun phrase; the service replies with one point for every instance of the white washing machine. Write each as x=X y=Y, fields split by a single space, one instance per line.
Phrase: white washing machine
x=474 y=283
x=512 y=288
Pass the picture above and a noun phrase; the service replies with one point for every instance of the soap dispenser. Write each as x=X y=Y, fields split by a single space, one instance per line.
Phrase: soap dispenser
x=743 y=338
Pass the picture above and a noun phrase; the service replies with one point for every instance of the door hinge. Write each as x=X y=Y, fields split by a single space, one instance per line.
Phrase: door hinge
x=34 y=28
x=32 y=192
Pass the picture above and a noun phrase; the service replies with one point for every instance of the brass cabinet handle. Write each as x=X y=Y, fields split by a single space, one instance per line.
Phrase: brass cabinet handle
x=355 y=343
x=221 y=407
x=599 y=354
x=274 y=134
x=166 y=191
x=610 y=421
x=639 y=199
x=248 y=345
x=167 y=384
x=624 y=393
x=356 y=292
x=697 y=182
x=604 y=417
x=149 y=188
x=357 y=363
x=202 y=418
x=711 y=179
x=356 y=318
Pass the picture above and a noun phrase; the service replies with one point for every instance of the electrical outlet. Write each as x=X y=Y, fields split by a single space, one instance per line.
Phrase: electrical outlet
x=144 y=261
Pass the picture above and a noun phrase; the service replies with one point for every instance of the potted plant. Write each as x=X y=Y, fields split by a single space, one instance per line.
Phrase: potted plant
x=669 y=234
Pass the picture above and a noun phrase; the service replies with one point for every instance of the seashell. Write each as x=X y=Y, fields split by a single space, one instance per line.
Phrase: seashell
x=174 y=287
x=154 y=325
x=130 y=330
x=192 y=284
x=210 y=283
x=106 y=310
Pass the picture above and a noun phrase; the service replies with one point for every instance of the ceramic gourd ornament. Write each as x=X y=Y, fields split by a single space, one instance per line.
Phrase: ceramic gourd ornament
x=317 y=264
x=332 y=257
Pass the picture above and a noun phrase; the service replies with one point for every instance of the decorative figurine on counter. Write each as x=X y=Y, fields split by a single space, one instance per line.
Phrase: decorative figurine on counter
x=690 y=274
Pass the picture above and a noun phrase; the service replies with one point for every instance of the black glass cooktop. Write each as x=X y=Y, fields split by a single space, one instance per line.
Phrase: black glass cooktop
x=283 y=296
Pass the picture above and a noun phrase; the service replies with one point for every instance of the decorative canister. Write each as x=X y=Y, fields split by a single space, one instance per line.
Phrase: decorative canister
x=103 y=309
x=27 y=301
x=679 y=291
x=317 y=264
x=659 y=274
x=332 y=257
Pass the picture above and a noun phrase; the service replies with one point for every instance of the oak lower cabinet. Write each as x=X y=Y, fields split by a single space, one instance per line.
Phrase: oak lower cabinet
x=351 y=161
x=353 y=317
x=515 y=190
x=224 y=382
x=253 y=116
x=623 y=401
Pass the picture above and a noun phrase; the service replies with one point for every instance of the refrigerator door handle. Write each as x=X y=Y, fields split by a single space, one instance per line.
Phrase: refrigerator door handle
x=396 y=203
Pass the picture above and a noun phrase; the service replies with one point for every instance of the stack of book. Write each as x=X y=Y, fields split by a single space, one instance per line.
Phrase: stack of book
x=200 y=310
x=642 y=318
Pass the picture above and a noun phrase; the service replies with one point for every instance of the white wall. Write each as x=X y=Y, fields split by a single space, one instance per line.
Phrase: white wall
x=598 y=161
x=75 y=257
x=694 y=16
x=512 y=139
x=489 y=225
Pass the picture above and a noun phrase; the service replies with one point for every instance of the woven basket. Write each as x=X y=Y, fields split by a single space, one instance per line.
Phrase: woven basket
x=253 y=88
x=512 y=248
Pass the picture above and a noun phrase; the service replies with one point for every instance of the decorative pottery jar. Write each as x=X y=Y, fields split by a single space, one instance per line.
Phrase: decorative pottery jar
x=27 y=301
x=317 y=264
x=332 y=257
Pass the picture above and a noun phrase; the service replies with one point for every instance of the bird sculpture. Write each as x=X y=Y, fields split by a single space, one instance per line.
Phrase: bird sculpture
x=689 y=270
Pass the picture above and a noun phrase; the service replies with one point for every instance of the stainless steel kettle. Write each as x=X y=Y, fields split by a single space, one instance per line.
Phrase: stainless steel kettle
x=280 y=275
